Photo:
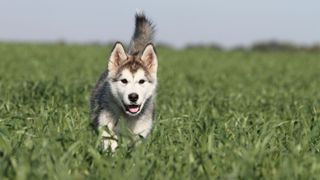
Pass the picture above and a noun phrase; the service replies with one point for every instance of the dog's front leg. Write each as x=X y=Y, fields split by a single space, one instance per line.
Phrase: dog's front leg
x=109 y=134
x=109 y=141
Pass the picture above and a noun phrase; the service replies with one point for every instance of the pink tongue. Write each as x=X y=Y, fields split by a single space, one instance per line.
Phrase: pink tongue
x=133 y=109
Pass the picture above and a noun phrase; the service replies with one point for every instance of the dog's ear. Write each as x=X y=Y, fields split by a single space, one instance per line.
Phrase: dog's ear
x=149 y=58
x=118 y=55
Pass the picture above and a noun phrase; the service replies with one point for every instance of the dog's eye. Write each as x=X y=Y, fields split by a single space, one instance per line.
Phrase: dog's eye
x=142 y=81
x=124 y=81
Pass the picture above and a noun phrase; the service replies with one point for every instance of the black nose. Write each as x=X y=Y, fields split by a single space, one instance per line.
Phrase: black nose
x=133 y=97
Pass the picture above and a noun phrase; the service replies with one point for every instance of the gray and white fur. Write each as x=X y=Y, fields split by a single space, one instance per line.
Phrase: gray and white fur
x=127 y=88
x=143 y=34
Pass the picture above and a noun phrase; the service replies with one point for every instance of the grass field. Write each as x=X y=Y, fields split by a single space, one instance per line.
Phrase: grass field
x=220 y=115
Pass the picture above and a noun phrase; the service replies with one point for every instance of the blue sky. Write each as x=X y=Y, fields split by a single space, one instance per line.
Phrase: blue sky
x=229 y=23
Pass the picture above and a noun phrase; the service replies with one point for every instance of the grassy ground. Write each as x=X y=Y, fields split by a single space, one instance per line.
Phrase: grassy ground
x=226 y=115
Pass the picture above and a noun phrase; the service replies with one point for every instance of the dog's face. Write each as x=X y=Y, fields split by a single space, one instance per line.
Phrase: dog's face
x=132 y=79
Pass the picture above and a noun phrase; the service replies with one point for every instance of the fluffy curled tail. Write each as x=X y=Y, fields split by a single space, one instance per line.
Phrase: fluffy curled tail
x=143 y=34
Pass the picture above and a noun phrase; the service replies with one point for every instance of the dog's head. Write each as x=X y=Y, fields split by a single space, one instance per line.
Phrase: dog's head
x=132 y=78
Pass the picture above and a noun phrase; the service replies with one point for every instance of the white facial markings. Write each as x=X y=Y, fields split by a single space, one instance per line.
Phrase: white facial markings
x=137 y=78
x=128 y=83
x=133 y=85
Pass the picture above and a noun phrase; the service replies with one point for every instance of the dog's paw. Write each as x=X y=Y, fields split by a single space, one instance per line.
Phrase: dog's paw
x=109 y=145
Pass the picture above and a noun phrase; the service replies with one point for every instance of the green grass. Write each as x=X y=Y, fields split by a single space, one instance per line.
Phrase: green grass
x=220 y=115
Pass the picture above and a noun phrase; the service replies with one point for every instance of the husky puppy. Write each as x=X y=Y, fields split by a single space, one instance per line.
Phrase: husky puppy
x=127 y=87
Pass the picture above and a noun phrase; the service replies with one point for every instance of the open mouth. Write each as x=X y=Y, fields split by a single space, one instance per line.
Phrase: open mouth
x=132 y=109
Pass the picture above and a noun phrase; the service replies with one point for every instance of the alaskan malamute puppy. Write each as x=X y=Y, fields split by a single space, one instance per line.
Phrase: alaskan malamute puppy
x=127 y=87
